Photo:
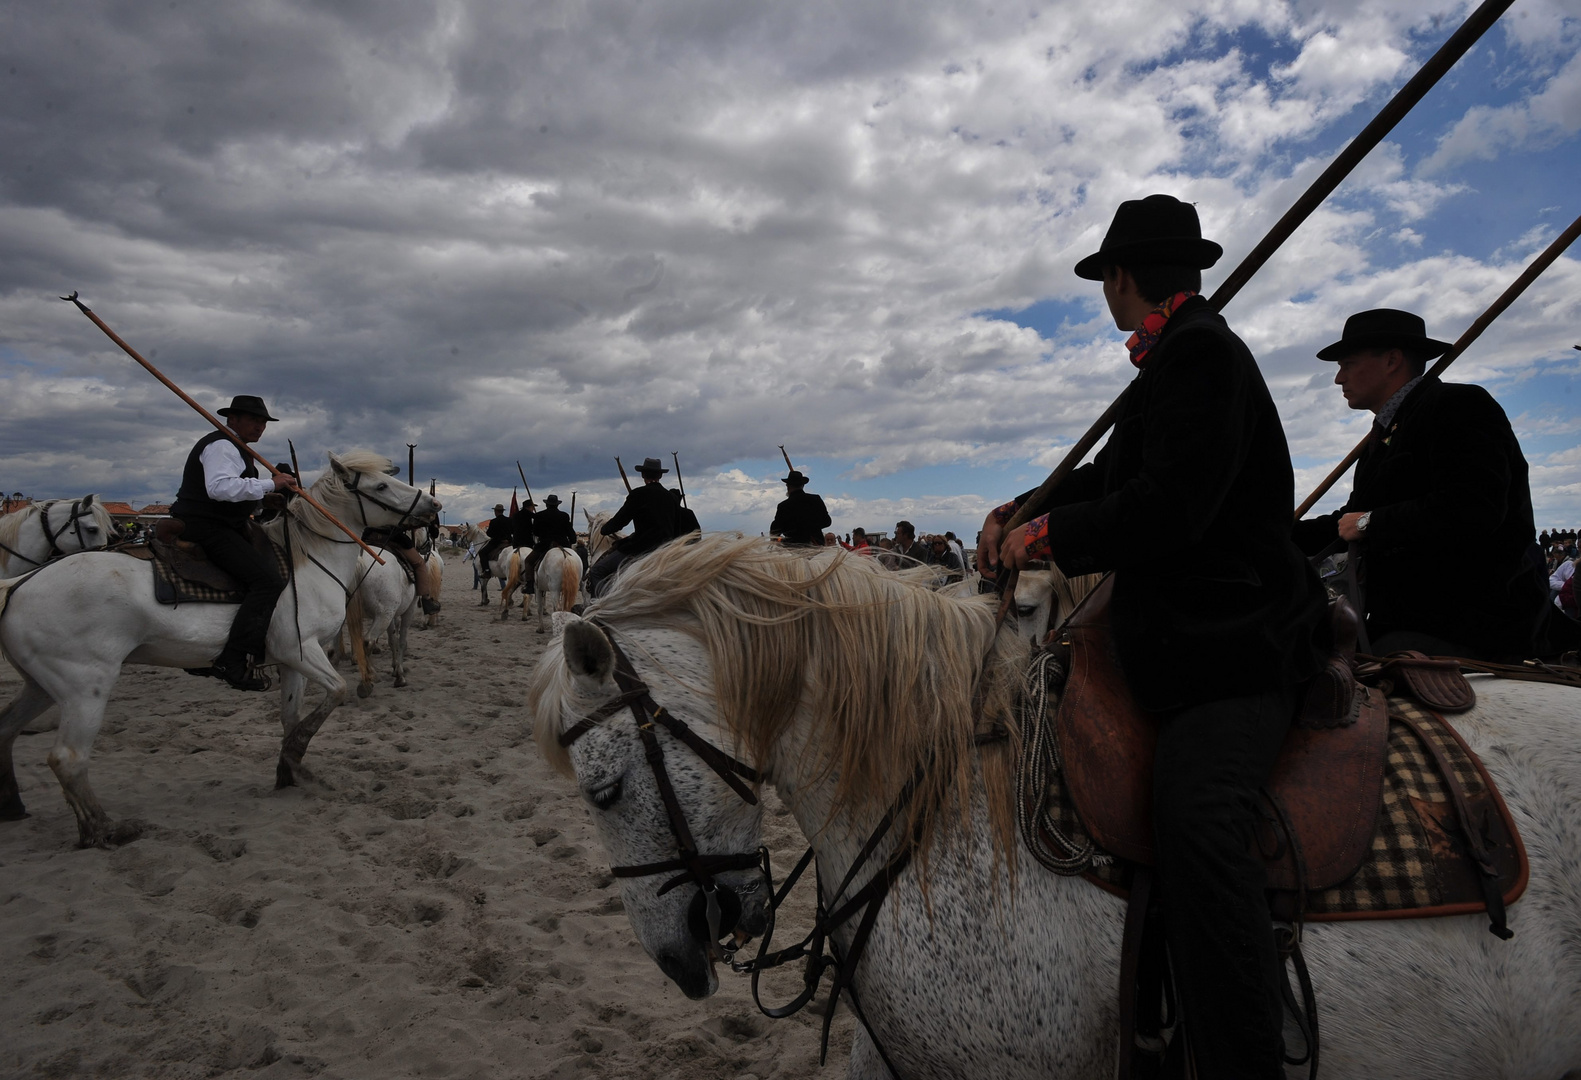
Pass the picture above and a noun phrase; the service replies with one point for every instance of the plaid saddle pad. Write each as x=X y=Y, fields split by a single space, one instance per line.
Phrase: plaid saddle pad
x=182 y=578
x=1418 y=864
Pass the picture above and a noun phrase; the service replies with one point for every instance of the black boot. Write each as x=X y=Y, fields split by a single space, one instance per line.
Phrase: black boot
x=238 y=671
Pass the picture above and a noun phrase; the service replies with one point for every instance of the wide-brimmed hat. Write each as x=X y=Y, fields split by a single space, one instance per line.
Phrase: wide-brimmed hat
x=499 y=506
x=652 y=465
x=795 y=477
x=1159 y=230
x=248 y=405
x=551 y=500
x=1384 y=328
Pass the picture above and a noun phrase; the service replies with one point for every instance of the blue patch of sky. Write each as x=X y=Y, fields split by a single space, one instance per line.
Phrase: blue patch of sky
x=1052 y=319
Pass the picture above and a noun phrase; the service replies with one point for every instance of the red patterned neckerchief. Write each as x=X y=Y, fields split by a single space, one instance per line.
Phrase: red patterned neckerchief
x=1142 y=342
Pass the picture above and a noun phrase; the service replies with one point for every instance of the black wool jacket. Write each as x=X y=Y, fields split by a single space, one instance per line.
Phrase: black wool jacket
x=553 y=529
x=652 y=509
x=801 y=518
x=1189 y=504
x=1450 y=549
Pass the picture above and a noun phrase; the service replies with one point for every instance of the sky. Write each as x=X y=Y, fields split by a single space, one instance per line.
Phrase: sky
x=556 y=232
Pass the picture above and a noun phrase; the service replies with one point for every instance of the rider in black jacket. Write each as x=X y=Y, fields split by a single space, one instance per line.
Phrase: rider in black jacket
x=651 y=510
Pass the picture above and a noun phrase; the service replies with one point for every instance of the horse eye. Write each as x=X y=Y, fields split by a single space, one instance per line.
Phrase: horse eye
x=1024 y=610
x=605 y=797
x=381 y=487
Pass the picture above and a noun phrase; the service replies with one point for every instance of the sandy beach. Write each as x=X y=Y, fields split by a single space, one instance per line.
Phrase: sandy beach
x=435 y=904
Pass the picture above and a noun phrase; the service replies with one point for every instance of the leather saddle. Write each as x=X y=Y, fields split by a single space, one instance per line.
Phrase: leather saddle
x=187 y=562
x=1326 y=785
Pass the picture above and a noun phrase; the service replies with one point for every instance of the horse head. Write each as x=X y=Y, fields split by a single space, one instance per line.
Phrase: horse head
x=78 y=524
x=362 y=489
x=586 y=728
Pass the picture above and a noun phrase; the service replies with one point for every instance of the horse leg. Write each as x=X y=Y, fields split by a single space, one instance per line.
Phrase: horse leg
x=81 y=716
x=864 y=1063
x=397 y=636
x=24 y=707
x=541 y=607
x=314 y=666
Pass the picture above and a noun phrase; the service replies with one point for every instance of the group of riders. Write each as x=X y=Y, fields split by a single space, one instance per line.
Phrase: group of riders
x=1219 y=639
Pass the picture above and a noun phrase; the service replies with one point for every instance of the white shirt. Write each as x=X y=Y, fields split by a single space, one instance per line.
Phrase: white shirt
x=1562 y=573
x=222 y=475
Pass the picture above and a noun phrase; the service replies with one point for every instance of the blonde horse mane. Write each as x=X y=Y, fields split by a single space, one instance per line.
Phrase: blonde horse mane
x=887 y=669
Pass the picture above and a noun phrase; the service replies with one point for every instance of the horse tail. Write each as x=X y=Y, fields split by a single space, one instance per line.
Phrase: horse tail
x=359 y=647
x=570 y=578
x=514 y=578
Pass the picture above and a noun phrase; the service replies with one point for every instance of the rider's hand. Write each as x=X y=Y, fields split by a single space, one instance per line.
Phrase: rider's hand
x=1348 y=530
x=988 y=546
x=1013 y=552
x=286 y=482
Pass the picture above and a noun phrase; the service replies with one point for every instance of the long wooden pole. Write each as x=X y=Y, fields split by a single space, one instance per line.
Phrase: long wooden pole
x=1412 y=92
x=525 y=485
x=216 y=421
x=786 y=456
x=1474 y=331
x=622 y=469
x=676 y=454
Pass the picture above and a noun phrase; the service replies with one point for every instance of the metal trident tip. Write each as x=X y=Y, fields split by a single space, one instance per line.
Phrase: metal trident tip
x=72 y=298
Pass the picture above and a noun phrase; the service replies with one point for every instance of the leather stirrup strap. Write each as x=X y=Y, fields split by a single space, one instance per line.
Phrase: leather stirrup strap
x=1476 y=846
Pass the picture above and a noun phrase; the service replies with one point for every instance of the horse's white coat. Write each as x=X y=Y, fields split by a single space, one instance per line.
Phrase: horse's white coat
x=69 y=629
x=556 y=583
x=28 y=532
x=385 y=603
x=982 y=979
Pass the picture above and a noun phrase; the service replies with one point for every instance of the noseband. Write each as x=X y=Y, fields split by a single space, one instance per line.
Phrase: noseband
x=716 y=907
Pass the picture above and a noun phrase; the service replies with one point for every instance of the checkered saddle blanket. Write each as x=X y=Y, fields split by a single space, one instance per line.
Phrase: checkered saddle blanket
x=183 y=577
x=1418 y=864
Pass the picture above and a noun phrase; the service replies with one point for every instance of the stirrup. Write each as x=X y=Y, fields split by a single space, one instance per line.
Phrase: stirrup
x=241 y=675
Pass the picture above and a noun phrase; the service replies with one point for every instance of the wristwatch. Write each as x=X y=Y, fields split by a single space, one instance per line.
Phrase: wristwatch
x=1363 y=521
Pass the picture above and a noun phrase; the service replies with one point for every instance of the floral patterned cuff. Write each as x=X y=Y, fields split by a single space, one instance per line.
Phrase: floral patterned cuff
x=1039 y=545
x=1004 y=513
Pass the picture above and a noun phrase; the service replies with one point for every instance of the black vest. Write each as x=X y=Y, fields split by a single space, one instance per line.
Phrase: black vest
x=192 y=498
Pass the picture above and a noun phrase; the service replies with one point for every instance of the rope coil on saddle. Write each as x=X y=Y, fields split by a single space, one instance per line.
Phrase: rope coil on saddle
x=1040 y=759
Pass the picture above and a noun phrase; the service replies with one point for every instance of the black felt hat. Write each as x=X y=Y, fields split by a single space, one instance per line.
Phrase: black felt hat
x=1159 y=230
x=551 y=500
x=248 y=405
x=1384 y=328
x=652 y=466
x=795 y=477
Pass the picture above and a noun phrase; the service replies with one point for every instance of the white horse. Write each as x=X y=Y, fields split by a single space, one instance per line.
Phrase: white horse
x=505 y=564
x=1044 y=598
x=559 y=576
x=435 y=564
x=70 y=627
x=384 y=602
x=839 y=682
x=32 y=536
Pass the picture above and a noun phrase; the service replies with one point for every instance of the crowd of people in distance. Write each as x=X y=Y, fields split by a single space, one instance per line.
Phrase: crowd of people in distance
x=906 y=549
x=1559 y=547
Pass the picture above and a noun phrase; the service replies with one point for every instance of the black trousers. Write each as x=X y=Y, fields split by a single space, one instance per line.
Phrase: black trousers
x=607 y=564
x=1212 y=759
x=228 y=548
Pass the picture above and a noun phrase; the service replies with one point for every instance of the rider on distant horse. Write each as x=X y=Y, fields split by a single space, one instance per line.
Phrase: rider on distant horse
x=1217 y=638
x=522 y=525
x=801 y=516
x=220 y=488
x=499 y=534
x=652 y=509
x=551 y=528
x=399 y=542
x=1441 y=509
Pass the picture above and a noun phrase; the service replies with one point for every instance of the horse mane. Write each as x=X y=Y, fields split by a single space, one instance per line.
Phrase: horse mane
x=11 y=524
x=886 y=668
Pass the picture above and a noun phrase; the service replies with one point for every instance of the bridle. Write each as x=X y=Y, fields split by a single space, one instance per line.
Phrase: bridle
x=716 y=908
x=408 y=516
x=73 y=522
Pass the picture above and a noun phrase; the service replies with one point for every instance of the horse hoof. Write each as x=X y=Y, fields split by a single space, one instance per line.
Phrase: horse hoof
x=13 y=810
x=364 y=689
x=400 y=682
x=283 y=776
x=110 y=835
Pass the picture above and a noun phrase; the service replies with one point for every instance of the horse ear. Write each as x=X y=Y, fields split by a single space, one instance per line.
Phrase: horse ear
x=87 y=500
x=341 y=471
x=587 y=652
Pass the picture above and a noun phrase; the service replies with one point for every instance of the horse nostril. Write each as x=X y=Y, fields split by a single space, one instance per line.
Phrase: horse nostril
x=697 y=914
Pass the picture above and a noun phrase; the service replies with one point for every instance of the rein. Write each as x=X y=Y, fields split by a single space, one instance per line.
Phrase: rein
x=716 y=908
